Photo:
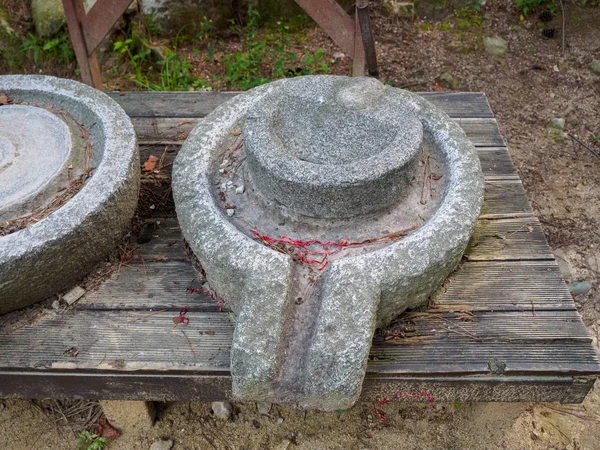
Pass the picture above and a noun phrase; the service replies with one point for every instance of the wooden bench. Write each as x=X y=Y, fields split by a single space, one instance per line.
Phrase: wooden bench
x=503 y=328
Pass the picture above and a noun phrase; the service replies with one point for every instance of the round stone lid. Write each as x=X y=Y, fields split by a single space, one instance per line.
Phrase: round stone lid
x=329 y=147
x=35 y=145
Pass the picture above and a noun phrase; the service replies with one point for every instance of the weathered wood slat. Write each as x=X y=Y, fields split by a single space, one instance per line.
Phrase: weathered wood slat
x=496 y=164
x=452 y=355
x=199 y=387
x=114 y=340
x=505 y=199
x=121 y=340
x=153 y=286
x=501 y=286
x=508 y=239
x=174 y=130
x=200 y=104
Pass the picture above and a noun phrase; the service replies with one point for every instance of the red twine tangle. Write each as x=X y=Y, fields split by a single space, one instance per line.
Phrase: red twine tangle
x=212 y=295
x=182 y=318
x=381 y=415
x=301 y=251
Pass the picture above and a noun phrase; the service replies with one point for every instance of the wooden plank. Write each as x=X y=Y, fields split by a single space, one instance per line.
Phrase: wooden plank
x=151 y=286
x=508 y=239
x=86 y=60
x=207 y=388
x=199 y=104
x=120 y=341
x=489 y=388
x=452 y=355
x=100 y=19
x=496 y=164
x=174 y=130
x=504 y=286
x=505 y=199
x=553 y=342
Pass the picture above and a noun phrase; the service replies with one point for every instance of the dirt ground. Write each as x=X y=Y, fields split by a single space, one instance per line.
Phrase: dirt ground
x=534 y=82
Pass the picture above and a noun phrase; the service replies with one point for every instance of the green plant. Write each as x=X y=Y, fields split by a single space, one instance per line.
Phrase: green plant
x=526 y=6
x=206 y=28
x=247 y=69
x=89 y=441
x=532 y=49
x=57 y=48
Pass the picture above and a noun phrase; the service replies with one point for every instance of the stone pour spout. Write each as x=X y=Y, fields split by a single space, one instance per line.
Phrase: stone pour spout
x=323 y=158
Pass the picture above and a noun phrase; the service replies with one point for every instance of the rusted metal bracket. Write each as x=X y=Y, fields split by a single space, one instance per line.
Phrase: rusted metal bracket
x=88 y=30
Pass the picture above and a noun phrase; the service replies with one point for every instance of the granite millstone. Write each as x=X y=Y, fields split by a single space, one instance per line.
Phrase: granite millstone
x=52 y=254
x=356 y=293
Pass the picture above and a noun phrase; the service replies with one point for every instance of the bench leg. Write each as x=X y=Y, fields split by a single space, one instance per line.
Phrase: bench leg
x=129 y=415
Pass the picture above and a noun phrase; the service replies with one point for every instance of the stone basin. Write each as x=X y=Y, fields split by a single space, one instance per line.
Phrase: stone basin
x=69 y=172
x=321 y=208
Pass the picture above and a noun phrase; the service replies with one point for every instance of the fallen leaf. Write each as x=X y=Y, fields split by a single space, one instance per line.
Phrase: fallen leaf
x=237 y=132
x=150 y=164
x=72 y=352
x=436 y=176
x=210 y=333
x=183 y=122
x=4 y=99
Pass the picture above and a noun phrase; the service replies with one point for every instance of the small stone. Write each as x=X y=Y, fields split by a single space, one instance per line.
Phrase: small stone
x=55 y=304
x=230 y=212
x=73 y=295
x=563 y=264
x=229 y=184
x=224 y=164
x=280 y=420
x=495 y=45
x=240 y=189
x=222 y=410
x=224 y=187
x=338 y=55
x=555 y=68
x=557 y=123
x=595 y=66
x=580 y=287
x=221 y=170
x=48 y=16
x=263 y=408
x=447 y=80
x=163 y=444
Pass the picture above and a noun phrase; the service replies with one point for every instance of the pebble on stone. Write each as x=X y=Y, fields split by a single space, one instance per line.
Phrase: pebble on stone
x=222 y=410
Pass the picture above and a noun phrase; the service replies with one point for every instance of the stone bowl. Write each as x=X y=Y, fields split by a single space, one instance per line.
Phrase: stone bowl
x=55 y=252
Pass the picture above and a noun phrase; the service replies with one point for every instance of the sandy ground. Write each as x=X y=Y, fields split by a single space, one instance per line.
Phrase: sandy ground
x=527 y=87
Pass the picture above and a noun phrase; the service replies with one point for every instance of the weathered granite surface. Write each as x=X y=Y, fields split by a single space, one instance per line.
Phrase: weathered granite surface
x=52 y=254
x=313 y=353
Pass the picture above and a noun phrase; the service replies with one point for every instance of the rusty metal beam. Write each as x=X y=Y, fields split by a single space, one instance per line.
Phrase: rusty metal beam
x=100 y=19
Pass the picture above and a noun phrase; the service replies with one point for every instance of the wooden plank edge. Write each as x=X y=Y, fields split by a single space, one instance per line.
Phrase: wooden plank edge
x=189 y=387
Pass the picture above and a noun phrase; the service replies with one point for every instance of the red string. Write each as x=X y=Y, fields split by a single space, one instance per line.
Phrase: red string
x=212 y=295
x=182 y=318
x=299 y=249
x=381 y=415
